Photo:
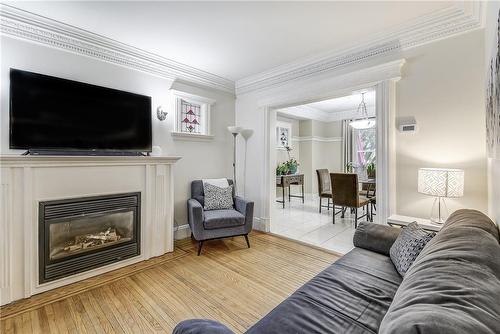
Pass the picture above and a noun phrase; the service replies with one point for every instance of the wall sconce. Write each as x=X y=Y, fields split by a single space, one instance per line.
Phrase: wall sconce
x=162 y=115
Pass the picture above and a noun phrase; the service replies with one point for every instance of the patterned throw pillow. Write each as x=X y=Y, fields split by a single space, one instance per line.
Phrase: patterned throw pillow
x=408 y=245
x=218 y=198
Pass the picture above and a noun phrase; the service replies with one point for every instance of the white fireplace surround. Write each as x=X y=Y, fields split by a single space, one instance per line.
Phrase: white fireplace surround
x=27 y=180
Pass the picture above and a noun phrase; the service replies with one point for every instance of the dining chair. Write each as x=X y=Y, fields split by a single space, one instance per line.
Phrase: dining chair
x=346 y=194
x=324 y=187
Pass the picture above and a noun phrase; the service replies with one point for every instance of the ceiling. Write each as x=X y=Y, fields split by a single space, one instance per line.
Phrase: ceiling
x=234 y=39
x=336 y=109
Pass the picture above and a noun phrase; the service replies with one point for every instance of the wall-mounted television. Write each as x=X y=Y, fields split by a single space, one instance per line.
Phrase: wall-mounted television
x=49 y=114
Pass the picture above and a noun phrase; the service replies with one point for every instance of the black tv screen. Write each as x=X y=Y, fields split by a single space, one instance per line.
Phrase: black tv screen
x=48 y=113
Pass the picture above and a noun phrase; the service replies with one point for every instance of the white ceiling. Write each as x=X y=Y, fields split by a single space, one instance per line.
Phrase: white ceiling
x=234 y=39
x=336 y=109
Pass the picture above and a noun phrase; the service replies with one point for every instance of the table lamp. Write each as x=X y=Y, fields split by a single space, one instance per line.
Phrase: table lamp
x=440 y=182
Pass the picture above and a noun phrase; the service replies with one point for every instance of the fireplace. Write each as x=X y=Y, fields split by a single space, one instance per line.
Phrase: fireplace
x=77 y=235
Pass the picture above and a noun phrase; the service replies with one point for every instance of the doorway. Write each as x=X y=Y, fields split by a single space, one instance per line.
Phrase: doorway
x=320 y=136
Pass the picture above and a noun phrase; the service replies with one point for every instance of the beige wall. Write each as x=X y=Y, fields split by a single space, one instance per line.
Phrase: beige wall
x=320 y=147
x=199 y=159
x=443 y=88
x=492 y=12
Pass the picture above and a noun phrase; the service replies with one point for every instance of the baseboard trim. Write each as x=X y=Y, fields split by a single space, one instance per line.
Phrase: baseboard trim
x=182 y=232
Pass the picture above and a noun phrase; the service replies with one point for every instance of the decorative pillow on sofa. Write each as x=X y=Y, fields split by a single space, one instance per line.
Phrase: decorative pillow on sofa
x=217 y=198
x=408 y=245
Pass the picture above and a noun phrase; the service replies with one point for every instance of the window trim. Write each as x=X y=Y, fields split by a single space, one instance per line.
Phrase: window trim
x=206 y=107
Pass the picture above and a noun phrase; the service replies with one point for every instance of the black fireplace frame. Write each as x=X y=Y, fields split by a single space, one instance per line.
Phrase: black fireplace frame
x=50 y=270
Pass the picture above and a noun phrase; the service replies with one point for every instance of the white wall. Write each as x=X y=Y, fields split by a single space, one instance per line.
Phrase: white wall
x=199 y=159
x=492 y=13
x=322 y=146
x=441 y=87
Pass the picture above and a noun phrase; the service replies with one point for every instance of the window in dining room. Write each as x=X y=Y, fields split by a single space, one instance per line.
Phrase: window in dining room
x=364 y=147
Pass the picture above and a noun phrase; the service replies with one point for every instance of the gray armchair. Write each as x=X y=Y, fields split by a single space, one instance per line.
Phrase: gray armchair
x=217 y=224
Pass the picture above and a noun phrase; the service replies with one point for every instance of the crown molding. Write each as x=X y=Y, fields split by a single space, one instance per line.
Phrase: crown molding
x=317 y=139
x=24 y=25
x=305 y=112
x=456 y=19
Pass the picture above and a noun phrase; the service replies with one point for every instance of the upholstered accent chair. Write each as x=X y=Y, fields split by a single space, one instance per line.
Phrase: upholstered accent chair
x=217 y=224
x=346 y=194
x=324 y=187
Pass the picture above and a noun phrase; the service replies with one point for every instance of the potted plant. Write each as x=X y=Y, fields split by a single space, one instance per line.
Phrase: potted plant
x=292 y=165
x=370 y=170
x=349 y=167
x=282 y=169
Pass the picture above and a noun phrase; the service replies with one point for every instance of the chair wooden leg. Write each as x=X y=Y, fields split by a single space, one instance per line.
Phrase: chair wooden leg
x=248 y=242
x=333 y=214
x=356 y=218
x=328 y=205
x=200 y=245
x=320 y=198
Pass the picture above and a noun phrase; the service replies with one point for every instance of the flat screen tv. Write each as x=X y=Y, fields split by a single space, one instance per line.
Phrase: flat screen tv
x=49 y=114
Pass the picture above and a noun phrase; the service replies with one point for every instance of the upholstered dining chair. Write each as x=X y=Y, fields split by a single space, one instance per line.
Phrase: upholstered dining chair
x=324 y=187
x=217 y=224
x=345 y=194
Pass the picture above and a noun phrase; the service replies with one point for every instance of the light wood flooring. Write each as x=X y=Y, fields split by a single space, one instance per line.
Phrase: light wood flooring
x=228 y=282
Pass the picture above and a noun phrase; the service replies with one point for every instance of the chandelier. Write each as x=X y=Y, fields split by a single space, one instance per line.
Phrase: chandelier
x=362 y=121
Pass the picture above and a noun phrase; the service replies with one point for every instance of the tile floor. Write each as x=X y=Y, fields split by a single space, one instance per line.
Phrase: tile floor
x=303 y=222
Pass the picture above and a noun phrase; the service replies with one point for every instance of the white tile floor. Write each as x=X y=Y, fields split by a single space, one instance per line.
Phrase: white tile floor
x=303 y=222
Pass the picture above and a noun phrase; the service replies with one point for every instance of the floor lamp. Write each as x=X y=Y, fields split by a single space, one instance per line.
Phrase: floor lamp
x=235 y=130
x=245 y=133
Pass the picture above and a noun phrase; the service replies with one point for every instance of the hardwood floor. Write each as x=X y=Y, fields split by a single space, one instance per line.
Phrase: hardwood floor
x=228 y=282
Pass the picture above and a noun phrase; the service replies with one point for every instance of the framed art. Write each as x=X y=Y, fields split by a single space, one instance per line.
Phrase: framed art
x=283 y=135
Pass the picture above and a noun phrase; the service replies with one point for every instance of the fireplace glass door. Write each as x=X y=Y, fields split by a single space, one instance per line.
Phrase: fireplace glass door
x=79 y=235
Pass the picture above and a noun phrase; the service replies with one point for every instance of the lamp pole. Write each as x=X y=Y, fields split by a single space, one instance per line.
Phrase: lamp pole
x=234 y=160
x=235 y=130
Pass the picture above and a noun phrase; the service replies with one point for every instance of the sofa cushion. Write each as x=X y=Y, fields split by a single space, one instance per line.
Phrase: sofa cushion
x=351 y=296
x=217 y=198
x=215 y=219
x=408 y=246
x=454 y=284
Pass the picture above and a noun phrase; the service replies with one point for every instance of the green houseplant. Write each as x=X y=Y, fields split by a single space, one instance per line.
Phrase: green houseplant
x=370 y=170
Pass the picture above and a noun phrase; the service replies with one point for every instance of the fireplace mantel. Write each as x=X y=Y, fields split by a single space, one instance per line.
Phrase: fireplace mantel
x=51 y=161
x=28 y=180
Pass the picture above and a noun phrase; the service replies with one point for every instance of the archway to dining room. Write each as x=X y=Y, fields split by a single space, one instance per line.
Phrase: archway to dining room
x=381 y=81
x=318 y=144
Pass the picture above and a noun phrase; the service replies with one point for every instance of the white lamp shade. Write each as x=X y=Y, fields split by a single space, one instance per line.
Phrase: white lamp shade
x=246 y=133
x=361 y=124
x=441 y=182
x=234 y=129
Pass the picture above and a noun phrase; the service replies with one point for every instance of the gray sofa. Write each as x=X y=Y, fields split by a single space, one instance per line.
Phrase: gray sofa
x=217 y=224
x=452 y=287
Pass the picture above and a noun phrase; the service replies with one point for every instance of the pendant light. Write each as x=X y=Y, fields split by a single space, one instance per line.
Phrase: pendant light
x=362 y=121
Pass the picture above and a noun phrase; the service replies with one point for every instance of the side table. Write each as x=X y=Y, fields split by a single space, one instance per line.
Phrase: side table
x=426 y=224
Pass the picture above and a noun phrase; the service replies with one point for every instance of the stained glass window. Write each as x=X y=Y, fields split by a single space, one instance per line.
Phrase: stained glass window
x=190 y=117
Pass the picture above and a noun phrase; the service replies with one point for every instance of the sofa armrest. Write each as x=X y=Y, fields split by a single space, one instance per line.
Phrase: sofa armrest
x=375 y=237
x=245 y=208
x=195 y=217
x=201 y=326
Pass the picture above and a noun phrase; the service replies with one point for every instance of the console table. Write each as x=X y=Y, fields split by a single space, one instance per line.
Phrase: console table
x=285 y=181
